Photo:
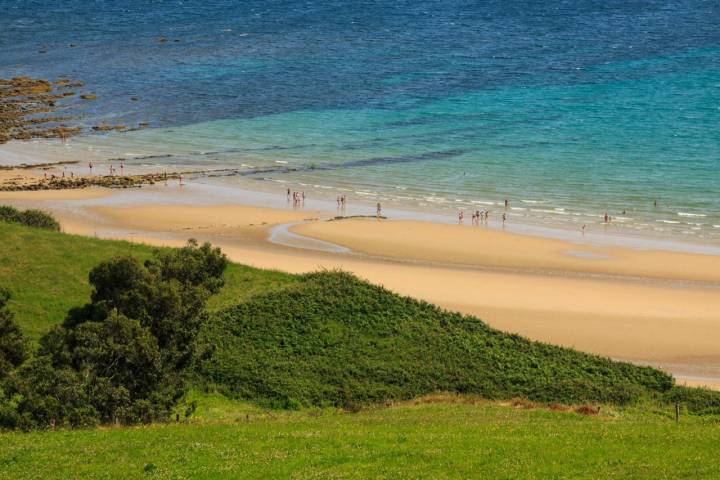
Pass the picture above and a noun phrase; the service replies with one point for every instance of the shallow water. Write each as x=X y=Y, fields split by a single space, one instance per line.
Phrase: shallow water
x=568 y=111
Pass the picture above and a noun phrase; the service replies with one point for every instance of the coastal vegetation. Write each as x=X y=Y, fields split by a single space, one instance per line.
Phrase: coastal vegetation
x=334 y=340
x=122 y=357
x=30 y=218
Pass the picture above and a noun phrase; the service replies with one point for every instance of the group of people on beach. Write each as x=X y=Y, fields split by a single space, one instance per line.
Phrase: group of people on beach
x=298 y=198
x=479 y=217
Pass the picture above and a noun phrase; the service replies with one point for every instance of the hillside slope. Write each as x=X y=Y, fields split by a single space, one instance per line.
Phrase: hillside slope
x=332 y=339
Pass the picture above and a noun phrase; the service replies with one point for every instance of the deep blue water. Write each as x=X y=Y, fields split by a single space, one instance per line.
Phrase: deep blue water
x=569 y=109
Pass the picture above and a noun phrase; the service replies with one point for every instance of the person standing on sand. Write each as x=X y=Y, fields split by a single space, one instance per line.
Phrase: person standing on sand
x=504 y=218
x=90 y=165
x=583 y=230
x=461 y=216
x=288 y=195
x=379 y=210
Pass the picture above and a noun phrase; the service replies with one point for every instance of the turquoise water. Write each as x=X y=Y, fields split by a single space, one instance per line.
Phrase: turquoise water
x=568 y=112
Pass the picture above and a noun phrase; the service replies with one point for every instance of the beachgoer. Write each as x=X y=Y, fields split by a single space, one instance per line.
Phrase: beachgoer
x=90 y=165
x=607 y=219
x=379 y=210
x=504 y=218
x=506 y=203
x=180 y=178
x=583 y=229
x=461 y=215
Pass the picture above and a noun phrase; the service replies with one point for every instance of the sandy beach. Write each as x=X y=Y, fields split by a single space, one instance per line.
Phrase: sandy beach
x=654 y=307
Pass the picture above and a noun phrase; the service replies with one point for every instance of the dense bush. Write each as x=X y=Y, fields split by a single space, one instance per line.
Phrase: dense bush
x=13 y=347
x=31 y=218
x=120 y=358
x=696 y=400
x=335 y=340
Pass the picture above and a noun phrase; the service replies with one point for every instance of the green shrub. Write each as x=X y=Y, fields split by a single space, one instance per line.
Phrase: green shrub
x=332 y=339
x=31 y=218
x=13 y=346
x=120 y=358
x=697 y=400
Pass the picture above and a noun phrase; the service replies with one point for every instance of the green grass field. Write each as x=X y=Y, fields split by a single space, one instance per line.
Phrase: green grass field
x=440 y=436
x=443 y=437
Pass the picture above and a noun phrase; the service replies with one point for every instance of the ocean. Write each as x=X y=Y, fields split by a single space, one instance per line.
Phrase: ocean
x=569 y=110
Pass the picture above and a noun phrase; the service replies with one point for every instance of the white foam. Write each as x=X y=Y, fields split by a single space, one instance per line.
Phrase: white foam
x=685 y=214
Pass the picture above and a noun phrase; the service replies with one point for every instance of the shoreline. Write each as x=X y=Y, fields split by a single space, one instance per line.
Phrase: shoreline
x=231 y=177
x=592 y=303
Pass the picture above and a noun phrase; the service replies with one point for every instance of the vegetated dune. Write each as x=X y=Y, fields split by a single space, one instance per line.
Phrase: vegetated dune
x=332 y=339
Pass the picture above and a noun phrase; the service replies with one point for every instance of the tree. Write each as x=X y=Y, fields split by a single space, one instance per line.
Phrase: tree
x=13 y=346
x=167 y=294
x=121 y=357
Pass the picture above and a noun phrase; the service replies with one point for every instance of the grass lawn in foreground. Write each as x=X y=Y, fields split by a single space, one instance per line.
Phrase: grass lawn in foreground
x=434 y=437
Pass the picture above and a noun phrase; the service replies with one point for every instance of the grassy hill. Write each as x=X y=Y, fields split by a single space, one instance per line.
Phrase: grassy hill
x=332 y=339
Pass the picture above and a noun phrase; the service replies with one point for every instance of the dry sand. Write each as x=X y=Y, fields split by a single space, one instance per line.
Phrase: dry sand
x=480 y=246
x=660 y=308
